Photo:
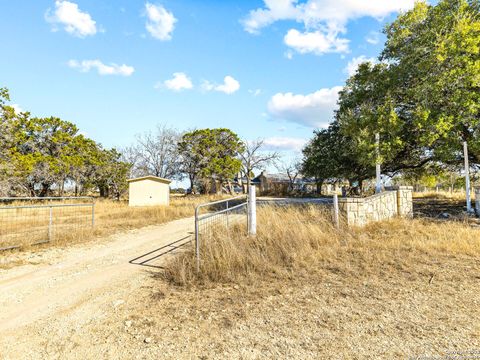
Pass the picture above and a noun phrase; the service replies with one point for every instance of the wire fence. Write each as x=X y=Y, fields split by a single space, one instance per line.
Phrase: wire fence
x=239 y=213
x=33 y=221
x=219 y=215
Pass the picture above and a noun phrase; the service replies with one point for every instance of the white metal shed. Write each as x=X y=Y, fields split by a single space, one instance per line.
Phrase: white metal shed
x=148 y=191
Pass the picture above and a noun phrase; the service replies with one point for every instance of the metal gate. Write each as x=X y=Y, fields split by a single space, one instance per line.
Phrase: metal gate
x=33 y=221
x=217 y=215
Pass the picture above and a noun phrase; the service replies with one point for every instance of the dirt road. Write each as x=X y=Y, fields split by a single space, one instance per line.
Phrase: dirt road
x=71 y=287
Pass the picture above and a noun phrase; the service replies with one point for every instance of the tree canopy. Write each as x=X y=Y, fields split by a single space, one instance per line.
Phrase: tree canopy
x=422 y=96
x=40 y=155
x=210 y=153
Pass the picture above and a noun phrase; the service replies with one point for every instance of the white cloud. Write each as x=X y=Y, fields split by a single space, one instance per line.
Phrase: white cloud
x=160 y=23
x=323 y=20
x=315 y=42
x=17 y=108
x=75 y=21
x=275 y=10
x=288 y=54
x=102 y=69
x=335 y=13
x=229 y=86
x=373 y=38
x=284 y=143
x=179 y=82
x=255 y=92
x=311 y=110
x=353 y=64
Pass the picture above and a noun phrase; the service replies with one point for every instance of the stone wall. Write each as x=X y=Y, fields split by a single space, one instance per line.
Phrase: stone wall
x=395 y=201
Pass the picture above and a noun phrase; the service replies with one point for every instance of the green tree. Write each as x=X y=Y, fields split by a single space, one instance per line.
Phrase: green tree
x=110 y=173
x=332 y=155
x=43 y=152
x=210 y=153
x=423 y=98
x=38 y=155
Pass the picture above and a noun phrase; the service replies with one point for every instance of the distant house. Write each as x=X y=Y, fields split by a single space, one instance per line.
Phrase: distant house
x=148 y=191
x=279 y=184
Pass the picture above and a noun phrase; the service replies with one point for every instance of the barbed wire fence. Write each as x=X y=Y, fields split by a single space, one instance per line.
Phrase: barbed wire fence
x=33 y=221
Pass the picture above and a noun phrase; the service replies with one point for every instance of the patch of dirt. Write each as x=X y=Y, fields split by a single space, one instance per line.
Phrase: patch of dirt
x=60 y=291
x=430 y=308
x=443 y=209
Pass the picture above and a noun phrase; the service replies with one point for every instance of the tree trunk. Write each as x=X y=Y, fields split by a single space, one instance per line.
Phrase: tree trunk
x=62 y=187
x=230 y=187
x=192 y=180
x=103 y=191
x=44 y=190
x=319 y=184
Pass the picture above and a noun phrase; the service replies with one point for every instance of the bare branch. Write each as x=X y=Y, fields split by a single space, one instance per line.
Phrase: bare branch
x=254 y=158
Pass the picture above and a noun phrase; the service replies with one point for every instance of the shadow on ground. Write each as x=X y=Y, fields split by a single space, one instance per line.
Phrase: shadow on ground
x=153 y=258
x=441 y=209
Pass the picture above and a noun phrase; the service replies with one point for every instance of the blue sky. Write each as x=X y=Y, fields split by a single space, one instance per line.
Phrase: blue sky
x=263 y=69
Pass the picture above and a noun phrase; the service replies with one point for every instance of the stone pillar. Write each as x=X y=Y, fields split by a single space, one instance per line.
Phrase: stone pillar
x=404 y=200
x=352 y=211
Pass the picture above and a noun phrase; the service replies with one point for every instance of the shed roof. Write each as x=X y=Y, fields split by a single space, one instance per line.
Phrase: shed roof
x=150 y=177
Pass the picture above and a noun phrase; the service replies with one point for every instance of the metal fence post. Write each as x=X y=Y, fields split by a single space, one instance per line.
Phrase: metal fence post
x=336 y=217
x=93 y=215
x=226 y=214
x=252 y=211
x=197 y=239
x=50 y=221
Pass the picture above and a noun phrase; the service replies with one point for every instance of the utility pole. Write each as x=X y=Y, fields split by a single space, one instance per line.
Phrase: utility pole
x=378 y=185
x=467 y=176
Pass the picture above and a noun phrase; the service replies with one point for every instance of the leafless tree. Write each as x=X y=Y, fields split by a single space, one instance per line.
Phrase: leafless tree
x=254 y=158
x=292 y=168
x=155 y=153
x=131 y=155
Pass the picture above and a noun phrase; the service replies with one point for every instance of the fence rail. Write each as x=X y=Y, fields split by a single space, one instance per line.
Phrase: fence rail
x=220 y=214
x=23 y=225
x=36 y=198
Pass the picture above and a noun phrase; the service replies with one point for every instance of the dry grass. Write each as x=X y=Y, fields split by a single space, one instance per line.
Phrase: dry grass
x=73 y=225
x=443 y=195
x=291 y=239
x=301 y=289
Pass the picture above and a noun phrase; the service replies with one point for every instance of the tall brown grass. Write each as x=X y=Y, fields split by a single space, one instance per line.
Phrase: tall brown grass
x=293 y=239
x=446 y=195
